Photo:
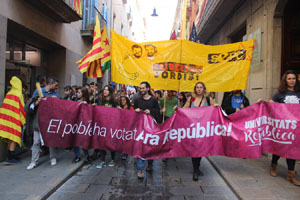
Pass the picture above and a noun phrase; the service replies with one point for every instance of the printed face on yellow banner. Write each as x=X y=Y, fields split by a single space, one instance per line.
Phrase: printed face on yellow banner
x=180 y=64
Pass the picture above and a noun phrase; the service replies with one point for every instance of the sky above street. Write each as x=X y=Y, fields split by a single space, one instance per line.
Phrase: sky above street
x=159 y=28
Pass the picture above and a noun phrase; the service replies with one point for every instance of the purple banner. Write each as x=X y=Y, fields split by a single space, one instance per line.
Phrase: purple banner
x=190 y=132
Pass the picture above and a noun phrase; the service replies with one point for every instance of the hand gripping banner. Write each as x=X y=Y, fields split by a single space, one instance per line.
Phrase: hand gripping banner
x=179 y=64
x=190 y=132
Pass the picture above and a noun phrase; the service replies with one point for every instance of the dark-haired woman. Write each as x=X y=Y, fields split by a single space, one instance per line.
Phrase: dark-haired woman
x=124 y=103
x=109 y=101
x=69 y=93
x=288 y=92
x=181 y=99
x=83 y=96
x=200 y=99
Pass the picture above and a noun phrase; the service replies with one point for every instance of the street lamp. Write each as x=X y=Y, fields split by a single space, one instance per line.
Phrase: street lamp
x=154 y=13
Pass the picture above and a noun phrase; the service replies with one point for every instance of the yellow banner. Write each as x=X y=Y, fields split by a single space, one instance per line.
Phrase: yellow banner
x=179 y=64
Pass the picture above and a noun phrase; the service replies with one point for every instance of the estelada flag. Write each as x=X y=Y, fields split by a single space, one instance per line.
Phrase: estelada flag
x=105 y=60
x=12 y=114
x=99 y=54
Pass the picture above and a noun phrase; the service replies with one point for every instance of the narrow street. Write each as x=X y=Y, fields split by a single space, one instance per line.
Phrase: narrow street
x=152 y=79
x=171 y=180
x=248 y=178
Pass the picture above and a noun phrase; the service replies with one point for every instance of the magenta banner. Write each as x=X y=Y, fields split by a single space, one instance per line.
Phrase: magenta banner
x=190 y=132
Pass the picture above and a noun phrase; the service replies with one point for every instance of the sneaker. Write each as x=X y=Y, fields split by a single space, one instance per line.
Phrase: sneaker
x=101 y=165
x=76 y=160
x=111 y=163
x=140 y=174
x=31 y=166
x=11 y=161
x=53 y=161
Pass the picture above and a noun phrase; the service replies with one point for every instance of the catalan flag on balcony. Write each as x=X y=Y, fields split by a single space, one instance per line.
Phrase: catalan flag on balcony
x=77 y=6
x=98 y=55
x=12 y=114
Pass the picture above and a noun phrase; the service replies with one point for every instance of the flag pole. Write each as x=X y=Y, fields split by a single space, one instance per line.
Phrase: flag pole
x=165 y=98
x=94 y=93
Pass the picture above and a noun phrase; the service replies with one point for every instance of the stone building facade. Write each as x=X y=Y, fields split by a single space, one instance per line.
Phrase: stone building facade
x=273 y=23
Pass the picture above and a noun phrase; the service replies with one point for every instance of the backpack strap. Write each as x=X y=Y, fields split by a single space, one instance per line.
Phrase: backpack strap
x=208 y=100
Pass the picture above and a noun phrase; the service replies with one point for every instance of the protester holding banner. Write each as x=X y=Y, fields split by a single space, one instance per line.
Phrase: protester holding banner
x=83 y=96
x=108 y=101
x=200 y=99
x=48 y=91
x=69 y=93
x=124 y=103
x=234 y=102
x=288 y=92
x=147 y=103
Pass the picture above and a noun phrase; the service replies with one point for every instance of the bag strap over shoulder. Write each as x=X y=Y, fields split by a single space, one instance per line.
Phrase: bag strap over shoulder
x=208 y=100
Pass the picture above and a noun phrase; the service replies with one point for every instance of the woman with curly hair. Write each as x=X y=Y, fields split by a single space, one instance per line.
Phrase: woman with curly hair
x=288 y=92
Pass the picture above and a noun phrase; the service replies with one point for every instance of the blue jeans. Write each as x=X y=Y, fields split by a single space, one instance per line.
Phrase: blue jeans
x=76 y=151
x=141 y=163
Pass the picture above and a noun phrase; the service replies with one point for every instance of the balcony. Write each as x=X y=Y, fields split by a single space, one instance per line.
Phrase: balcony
x=58 y=10
x=88 y=22
x=215 y=15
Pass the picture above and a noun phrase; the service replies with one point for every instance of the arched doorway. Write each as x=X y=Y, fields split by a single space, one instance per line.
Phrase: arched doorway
x=290 y=59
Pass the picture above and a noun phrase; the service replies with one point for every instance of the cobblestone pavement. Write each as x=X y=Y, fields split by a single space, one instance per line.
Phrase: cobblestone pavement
x=171 y=180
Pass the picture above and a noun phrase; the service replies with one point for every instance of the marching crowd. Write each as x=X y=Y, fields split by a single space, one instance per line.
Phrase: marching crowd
x=161 y=105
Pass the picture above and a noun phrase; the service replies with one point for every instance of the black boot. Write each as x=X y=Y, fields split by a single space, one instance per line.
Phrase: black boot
x=95 y=154
x=88 y=160
x=195 y=176
x=200 y=173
